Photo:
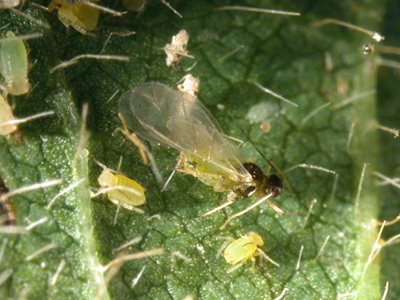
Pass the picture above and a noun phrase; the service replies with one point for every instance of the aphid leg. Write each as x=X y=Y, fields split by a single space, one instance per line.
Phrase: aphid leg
x=265 y=199
x=235 y=267
x=264 y=255
x=116 y=214
x=231 y=199
x=224 y=245
x=134 y=138
x=178 y=166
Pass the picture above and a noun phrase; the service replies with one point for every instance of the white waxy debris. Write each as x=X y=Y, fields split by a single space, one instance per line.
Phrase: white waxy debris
x=177 y=50
x=189 y=84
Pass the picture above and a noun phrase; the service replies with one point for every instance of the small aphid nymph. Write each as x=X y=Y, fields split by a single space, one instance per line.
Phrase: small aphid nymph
x=81 y=16
x=160 y=114
x=243 y=249
x=177 y=50
x=122 y=190
x=14 y=66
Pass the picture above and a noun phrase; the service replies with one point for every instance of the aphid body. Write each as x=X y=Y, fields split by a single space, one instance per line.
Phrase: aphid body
x=14 y=66
x=179 y=120
x=243 y=248
x=7 y=4
x=124 y=191
x=6 y=116
x=78 y=14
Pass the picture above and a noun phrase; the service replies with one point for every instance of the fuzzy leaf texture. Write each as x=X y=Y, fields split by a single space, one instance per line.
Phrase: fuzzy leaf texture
x=311 y=66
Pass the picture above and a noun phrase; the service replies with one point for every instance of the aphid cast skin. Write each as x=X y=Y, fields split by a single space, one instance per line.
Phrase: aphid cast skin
x=14 y=66
x=123 y=190
x=78 y=14
x=243 y=249
x=176 y=51
x=160 y=114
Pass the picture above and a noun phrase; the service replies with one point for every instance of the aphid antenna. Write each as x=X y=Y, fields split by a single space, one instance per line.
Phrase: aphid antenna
x=299 y=259
x=137 y=278
x=270 y=162
x=30 y=18
x=5 y=275
x=322 y=169
x=22 y=37
x=374 y=35
x=27 y=119
x=354 y=99
x=171 y=8
x=121 y=34
x=40 y=251
x=118 y=188
x=105 y=9
x=360 y=184
x=258 y=10
x=262 y=200
x=313 y=113
x=388 y=223
x=76 y=59
x=231 y=53
x=313 y=201
x=322 y=248
x=60 y=267
x=272 y=93
x=282 y=294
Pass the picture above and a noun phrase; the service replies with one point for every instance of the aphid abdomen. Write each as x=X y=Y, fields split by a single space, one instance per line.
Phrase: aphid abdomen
x=243 y=248
x=6 y=116
x=14 y=66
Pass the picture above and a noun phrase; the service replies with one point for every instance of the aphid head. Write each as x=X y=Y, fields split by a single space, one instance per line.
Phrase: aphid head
x=275 y=185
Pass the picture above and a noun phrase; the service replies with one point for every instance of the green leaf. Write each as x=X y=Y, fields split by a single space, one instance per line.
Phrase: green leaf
x=310 y=66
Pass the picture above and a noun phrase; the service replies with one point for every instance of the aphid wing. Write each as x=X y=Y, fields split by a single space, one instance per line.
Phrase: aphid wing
x=163 y=115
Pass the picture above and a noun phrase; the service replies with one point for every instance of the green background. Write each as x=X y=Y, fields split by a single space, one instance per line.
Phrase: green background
x=285 y=54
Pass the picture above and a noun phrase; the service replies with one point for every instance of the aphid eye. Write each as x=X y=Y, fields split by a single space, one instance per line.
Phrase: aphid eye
x=275 y=185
